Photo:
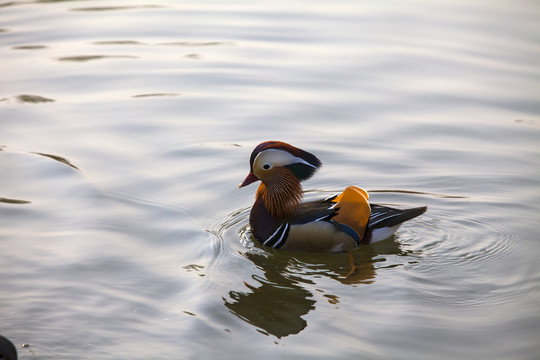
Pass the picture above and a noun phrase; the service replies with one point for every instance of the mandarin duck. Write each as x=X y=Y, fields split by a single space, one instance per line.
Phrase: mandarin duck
x=341 y=222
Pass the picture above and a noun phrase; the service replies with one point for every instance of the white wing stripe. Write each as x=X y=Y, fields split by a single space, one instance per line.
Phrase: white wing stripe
x=279 y=243
x=281 y=231
x=383 y=217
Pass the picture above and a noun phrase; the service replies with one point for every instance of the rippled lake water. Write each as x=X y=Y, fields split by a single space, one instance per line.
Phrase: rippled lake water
x=126 y=126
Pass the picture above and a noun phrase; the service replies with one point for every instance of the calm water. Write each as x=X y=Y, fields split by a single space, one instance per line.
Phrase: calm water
x=126 y=126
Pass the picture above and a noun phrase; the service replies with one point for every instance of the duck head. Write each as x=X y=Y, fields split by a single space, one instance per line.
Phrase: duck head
x=271 y=159
x=280 y=167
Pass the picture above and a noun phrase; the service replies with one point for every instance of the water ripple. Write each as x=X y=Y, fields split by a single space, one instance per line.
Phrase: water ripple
x=84 y=58
x=14 y=201
x=156 y=95
x=465 y=260
x=33 y=99
x=61 y=159
x=112 y=8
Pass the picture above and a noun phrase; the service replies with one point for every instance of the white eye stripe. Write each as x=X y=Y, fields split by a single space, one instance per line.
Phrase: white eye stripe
x=277 y=157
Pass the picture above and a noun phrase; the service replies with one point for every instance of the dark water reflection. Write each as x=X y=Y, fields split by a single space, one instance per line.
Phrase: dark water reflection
x=57 y=158
x=277 y=300
x=30 y=47
x=14 y=201
x=84 y=58
x=33 y=99
x=113 y=8
x=275 y=306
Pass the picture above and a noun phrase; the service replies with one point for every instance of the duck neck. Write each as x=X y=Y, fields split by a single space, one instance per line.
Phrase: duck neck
x=281 y=196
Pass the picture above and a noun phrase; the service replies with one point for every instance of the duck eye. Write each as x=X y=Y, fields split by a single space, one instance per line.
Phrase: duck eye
x=267 y=166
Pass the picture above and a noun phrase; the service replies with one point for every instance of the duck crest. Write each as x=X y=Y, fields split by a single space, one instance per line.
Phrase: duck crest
x=282 y=195
x=307 y=158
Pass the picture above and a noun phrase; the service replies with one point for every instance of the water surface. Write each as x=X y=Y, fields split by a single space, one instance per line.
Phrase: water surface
x=125 y=128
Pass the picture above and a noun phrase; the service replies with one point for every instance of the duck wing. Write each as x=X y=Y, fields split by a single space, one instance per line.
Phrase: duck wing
x=384 y=221
x=314 y=211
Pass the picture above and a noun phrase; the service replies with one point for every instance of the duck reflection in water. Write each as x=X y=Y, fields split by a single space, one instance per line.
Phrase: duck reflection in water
x=278 y=301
